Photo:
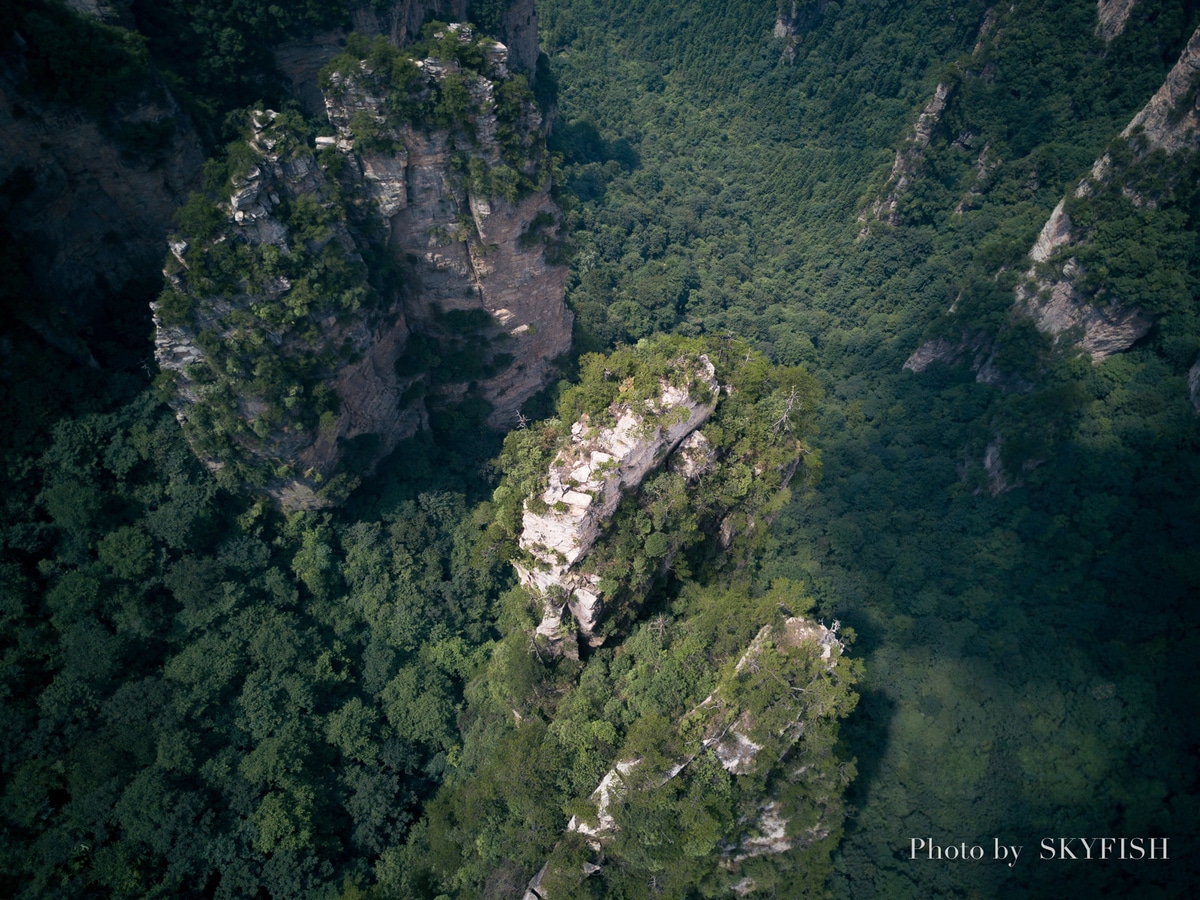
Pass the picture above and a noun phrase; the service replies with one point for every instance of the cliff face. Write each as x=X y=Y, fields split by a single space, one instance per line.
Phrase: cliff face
x=463 y=247
x=88 y=193
x=1052 y=292
x=587 y=480
x=1193 y=380
x=309 y=353
x=274 y=311
x=400 y=21
x=1057 y=292
x=1111 y=16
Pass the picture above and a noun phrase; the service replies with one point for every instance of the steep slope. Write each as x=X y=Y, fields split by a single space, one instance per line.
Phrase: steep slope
x=762 y=725
x=1089 y=287
x=95 y=156
x=907 y=165
x=301 y=364
x=606 y=457
x=1057 y=292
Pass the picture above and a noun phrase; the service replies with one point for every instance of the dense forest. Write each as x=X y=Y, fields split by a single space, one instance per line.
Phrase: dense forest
x=207 y=695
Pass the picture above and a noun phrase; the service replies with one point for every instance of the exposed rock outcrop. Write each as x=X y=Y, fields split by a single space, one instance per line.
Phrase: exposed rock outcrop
x=1111 y=16
x=588 y=477
x=401 y=21
x=907 y=164
x=729 y=735
x=792 y=20
x=1060 y=308
x=112 y=12
x=465 y=248
x=1051 y=292
x=478 y=309
x=985 y=165
x=993 y=465
x=981 y=349
x=908 y=159
x=949 y=352
x=1171 y=120
x=363 y=343
x=1193 y=381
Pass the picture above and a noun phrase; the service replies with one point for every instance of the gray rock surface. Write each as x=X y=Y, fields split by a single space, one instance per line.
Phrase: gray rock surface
x=1050 y=292
x=458 y=251
x=587 y=480
x=1111 y=16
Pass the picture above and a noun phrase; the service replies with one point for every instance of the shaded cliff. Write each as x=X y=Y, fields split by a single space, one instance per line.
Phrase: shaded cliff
x=513 y=23
x=348 y=282
x=95 y=156
x=466 y=211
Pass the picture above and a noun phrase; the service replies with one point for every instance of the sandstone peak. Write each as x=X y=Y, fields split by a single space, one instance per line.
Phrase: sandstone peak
x=603 y=458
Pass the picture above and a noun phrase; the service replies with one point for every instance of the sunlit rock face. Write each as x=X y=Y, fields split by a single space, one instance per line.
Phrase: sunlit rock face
x=1111 y=17
x=461 y=249
x=586 y=481
x=1051 y=291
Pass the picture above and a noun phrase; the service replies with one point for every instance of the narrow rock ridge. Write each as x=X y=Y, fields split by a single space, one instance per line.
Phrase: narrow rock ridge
x=908 y=159
x=587 y=479
x=727 y=736
x=1111 y=17
x=907 y=164
x=1050 y=292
